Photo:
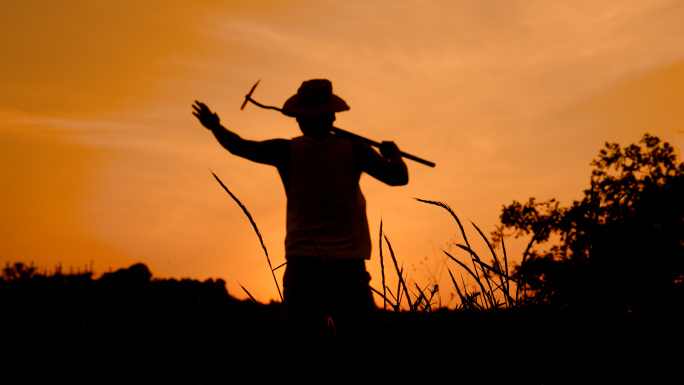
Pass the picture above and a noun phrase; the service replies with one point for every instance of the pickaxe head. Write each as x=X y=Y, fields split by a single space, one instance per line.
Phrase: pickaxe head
x=248 y=97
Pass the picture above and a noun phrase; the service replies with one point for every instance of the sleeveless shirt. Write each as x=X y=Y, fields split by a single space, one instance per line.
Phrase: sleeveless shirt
x=325 y=206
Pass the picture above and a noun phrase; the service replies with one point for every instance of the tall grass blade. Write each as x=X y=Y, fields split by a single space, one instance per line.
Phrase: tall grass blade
x=379 y=293
x=395 y=305
x=447 y=208
x=261 y=307
x=508 y=281
x=491 y=250
x=281 y=265
x=489 y=245
x=434 y=291
x=249 y=216
x=485 y=265
x=472 y=298
x=399 y=272
x=527 y=250
x=453 y=214
x=419 y=298
x=471 y=273
x=399 y=291
x=382 y=269
x=458 y=291
x=249 y=294
x=422 y=297
x=502 y=285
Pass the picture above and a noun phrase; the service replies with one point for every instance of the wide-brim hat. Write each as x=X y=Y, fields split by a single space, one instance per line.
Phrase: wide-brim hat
x=313 y=98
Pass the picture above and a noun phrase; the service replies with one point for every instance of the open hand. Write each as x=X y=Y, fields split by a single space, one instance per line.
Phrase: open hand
x=208 y=119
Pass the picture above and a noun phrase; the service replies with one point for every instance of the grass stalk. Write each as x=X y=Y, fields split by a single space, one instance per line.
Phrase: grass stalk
x=395 y=306
x=382 y=270
x=458 y=221
x=503 y=278
x=249 y=294
x=380 y=294
x=400 y=273
x=477 y=279
x=490 y=278
x=508 y=281
x=458 y=291
x=495 y=257
x=256 y=229
x=526 y=254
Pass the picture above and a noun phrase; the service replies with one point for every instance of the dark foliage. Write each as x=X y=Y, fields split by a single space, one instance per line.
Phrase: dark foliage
x=621 y=247
x=129 y=328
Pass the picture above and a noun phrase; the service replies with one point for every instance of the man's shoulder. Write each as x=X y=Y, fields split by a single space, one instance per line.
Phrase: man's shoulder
x=362 y=150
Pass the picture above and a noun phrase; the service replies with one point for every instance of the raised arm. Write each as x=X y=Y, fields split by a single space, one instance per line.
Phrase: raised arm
x=273 y=152
x=388 y=168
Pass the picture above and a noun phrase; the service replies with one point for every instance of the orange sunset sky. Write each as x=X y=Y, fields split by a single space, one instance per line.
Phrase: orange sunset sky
x=102 y=160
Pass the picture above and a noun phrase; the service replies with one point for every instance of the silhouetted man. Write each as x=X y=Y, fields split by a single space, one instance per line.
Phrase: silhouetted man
x=327 y=241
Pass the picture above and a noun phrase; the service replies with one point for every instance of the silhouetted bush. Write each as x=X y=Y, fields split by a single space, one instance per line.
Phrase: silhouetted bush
x=622 y=246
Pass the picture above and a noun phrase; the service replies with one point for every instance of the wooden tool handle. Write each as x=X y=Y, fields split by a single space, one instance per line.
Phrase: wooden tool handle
x=376 y=144
x=340 y=131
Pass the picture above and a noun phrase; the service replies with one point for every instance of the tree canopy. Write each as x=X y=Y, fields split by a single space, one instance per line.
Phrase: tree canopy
x=621 y=247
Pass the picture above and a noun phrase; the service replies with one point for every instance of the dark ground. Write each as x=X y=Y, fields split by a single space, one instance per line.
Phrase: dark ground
x=126 y=327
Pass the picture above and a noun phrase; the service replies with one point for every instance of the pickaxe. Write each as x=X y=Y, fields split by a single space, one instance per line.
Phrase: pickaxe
x=248 y=98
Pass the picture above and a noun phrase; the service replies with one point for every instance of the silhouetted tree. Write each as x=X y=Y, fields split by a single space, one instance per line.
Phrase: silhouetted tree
x=622 y=246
